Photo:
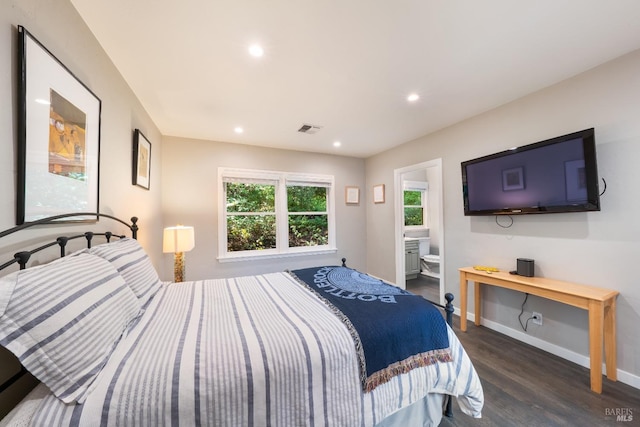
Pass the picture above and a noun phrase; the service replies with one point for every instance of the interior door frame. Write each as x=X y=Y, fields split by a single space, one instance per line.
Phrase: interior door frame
x=399 y=222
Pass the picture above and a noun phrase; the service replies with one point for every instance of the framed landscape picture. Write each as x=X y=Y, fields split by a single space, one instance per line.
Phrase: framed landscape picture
x=59 y=138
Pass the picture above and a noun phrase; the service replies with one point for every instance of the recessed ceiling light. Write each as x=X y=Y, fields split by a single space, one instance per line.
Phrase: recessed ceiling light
x=413 y=97
x=256 y=50
x=238 y=129
x=337 y=143
x=43 y=101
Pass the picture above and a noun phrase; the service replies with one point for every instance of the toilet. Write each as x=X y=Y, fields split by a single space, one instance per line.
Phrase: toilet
x=428 y=263
x=424 y=246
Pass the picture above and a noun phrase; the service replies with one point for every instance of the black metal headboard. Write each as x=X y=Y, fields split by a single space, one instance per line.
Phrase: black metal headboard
x=22 y=257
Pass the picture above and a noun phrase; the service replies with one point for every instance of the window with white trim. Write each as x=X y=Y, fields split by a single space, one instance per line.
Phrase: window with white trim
x=265 y=213
x=415 y=204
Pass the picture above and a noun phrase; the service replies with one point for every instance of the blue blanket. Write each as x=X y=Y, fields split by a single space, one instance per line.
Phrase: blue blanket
x=394 y=330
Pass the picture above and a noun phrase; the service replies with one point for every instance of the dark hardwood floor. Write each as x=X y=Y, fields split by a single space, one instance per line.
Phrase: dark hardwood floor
x=526 y=386
x=426 y=286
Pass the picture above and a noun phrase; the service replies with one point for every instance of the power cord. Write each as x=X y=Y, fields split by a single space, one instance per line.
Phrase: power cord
x=504 y=226
x=605 y=186
x=526 y=324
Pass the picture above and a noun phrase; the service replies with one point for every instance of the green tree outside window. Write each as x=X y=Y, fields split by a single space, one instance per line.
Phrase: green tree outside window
x=252 y=218
x=413 y=208
x=308 y=218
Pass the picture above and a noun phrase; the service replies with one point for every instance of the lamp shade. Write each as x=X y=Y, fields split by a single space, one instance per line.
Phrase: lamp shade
x=178 y=239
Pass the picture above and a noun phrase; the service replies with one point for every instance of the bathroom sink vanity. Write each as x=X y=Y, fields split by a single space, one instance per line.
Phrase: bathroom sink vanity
x=411 y=258
x=418 y=258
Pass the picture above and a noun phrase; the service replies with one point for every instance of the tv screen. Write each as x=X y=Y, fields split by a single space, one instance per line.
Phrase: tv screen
x=555 y=175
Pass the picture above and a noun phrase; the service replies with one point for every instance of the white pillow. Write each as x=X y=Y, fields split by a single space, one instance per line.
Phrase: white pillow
x=133 y=263
x=63 y=320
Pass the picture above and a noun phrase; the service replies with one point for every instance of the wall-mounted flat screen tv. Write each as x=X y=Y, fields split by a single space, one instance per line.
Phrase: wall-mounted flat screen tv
x=555 y=175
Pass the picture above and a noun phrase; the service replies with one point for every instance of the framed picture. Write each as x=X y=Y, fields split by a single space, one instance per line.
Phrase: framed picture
x=576 y=180
x=352 y=195
x=513 y=179
x=58 y=138
x=378 y=193
x=141 y=160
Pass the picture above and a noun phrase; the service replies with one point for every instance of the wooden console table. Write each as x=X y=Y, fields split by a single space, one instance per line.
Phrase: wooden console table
x=600 y=302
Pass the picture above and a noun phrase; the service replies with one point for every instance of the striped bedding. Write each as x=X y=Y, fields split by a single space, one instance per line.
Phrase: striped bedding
x=251 y=351
x=46 y=311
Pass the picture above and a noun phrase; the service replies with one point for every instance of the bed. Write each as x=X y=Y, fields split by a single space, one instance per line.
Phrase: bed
x=114 y=345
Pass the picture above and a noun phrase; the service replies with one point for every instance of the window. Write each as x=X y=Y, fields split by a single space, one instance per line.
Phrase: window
x=274 y=213
x=308 y=220
x=415 y=200
x=251 y=216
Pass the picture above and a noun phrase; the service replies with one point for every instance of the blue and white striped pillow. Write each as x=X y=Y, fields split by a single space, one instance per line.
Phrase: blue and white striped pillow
x=133 y=263
x=64 y=319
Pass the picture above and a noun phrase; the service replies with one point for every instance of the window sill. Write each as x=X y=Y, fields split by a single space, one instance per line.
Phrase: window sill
x=415 y=227
x=272 y=255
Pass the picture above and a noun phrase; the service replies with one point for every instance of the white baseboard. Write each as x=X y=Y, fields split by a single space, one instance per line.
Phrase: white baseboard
x=580 y=359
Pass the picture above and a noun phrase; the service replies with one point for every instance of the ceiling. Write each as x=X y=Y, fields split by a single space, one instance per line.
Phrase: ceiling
x=347 y=65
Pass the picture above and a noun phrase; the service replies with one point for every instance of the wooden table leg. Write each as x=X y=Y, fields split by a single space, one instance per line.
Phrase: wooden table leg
x=610 y=351
x=463 y=301
x=476 y=297
x=596 y=324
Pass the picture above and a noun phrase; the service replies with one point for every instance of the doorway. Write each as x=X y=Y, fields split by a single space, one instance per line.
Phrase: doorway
x=431 y=173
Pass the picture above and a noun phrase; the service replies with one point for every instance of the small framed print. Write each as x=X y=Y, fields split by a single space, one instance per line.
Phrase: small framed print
x=141 y=160
x=378 y=193
x=352 y=195
x=513 y=179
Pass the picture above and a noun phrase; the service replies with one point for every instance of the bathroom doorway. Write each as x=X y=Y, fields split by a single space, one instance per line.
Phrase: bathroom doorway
x=428 y=237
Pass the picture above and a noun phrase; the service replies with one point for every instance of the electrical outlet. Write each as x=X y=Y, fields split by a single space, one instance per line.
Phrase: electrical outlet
x=537 y=318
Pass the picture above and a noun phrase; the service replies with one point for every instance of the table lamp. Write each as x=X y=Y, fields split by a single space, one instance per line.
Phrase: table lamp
x=178 y=239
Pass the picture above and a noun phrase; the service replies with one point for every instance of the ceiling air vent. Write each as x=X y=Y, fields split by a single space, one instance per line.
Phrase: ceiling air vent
x=310 y=129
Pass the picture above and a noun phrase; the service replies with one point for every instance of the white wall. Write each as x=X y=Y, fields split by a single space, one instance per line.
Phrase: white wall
x=433 y=208
x=599 y=248
x=60 y=29
x=190 y=195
